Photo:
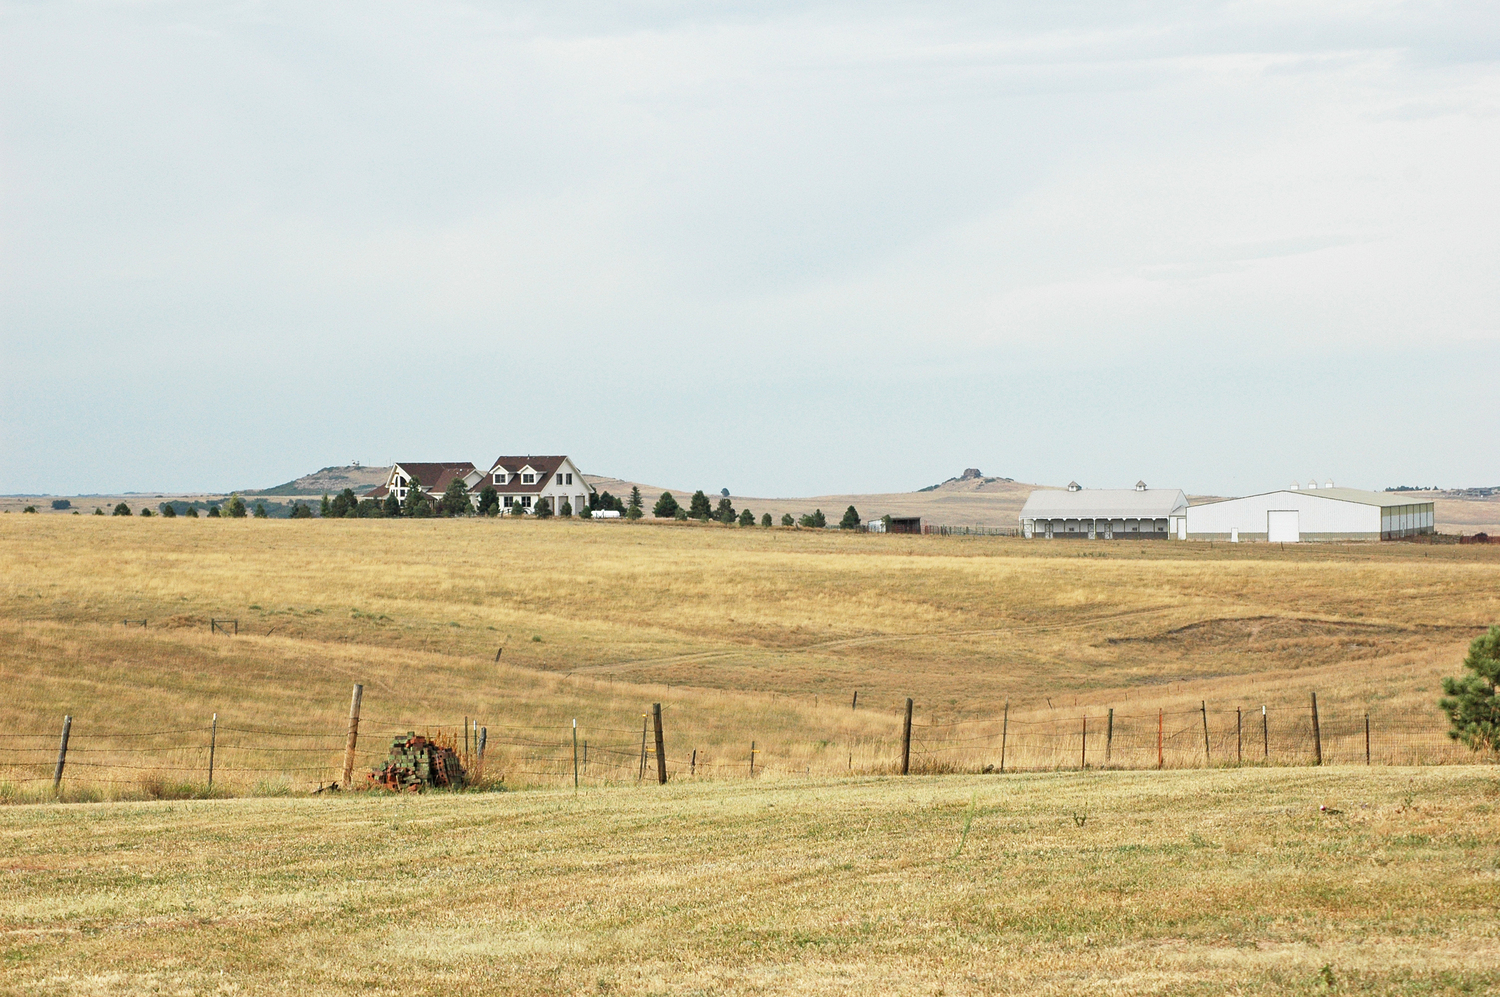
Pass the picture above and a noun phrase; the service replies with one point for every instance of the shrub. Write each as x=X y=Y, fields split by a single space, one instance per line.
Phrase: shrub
x=1471 y=701
x=680 y=514
x=699 y=507
x=489 y=501
x=417 y=504
x=765 y=520
x=191 y=512
x=391 y=507
x=369 y=509
x=61 y=504
x=213 y=512
x=260 y=511
x=566 y=509
x=29 y=508
x=851 y=520
x=543 y=508
x=168 y=510
x=666 y=507
x=236 y=507
x=787 y=520
x=747 y=518
x=145 y=513
x=816 y=521
x=300 y=511
x=517 y=509
x=98 y=511
x=585 y=513
x=121 y=510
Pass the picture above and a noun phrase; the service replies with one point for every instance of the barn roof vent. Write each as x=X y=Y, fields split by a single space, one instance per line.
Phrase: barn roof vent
x=1140 y=486
x=1296 y=487
x=1328 y=483
x=1074 y=486
x=1313 y=484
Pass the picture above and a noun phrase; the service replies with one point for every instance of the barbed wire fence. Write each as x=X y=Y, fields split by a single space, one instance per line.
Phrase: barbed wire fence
x=225 y=757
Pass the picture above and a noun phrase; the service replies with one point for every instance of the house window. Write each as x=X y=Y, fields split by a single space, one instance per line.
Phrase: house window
x=526 y=501
x=528 y=479
x=570 y=479
x=499 y=479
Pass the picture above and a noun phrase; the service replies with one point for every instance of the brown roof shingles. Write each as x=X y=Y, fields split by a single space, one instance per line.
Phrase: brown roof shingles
x=545 y=468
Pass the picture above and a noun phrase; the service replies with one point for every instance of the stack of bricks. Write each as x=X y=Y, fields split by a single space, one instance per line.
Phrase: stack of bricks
x=417 y=763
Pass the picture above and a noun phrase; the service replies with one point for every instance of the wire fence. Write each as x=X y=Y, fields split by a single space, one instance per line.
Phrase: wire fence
x=235 y=758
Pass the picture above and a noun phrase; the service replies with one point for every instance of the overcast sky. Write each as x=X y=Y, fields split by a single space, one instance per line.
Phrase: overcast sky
x=786 y=249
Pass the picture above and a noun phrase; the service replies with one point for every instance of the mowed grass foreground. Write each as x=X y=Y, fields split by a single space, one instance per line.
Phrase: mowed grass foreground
x=1230 y=881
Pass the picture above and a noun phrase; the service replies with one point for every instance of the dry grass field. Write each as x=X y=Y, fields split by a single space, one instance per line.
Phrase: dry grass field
x=1210 y=882
x=743 y=634
x=825 y=874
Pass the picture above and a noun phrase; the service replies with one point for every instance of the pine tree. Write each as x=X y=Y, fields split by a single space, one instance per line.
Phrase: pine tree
x=416 y=504
x=747 y=518
x=851 y=520
x=455 y=500
x=214 y=513
x=260 y=511
x=765 y=520
x=543 y=508
x=666 y=507
x=787 y=520
x=168 y=510
x=391 y=507
x=699 y=507
x=725 y=513
x=565 y=511
x=489 y=501
x=351 y=502
x=1471 y=702
x=634 y=510
x=300 y=511
x=121 y=510
x=191 y=512
x=516 y=508
x=326 y=508
x=236 y=507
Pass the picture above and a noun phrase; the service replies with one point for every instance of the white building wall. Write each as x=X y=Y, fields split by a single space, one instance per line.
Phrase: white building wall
x=1318 y=518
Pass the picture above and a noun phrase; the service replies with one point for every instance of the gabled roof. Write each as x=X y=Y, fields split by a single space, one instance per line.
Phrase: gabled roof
x=545 y=468
x=1104 y=503
x=1383 y=500
x=433 y=477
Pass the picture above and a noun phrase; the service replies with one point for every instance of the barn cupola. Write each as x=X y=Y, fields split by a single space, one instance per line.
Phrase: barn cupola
x=1140 y=486
x=1074 y=486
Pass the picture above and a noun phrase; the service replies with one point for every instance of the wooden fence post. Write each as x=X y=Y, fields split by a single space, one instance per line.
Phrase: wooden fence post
x=1159 y=719
x=1317 y=732
x=1265 y=733
x=752 y=759
x=1204 y=707
x=661 y=746
x=213 y=738
x=1109 y=737
x=359 y=692
x=62 y=753
x=1083 y=749
x=693 y=765
x=484 y=736
x=575 y=754
x=855 y=704
x=1004 y=731
x=906 y=740
x=642 y=774
x=1239 y=737
x=1367 y=737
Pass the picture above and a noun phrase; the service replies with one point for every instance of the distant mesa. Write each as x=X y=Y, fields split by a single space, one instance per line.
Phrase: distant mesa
x=330 y=480
x=971 y=474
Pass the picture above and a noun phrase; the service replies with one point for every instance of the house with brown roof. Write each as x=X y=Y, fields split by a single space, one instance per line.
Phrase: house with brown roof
x=432 y=478
x=525 y=481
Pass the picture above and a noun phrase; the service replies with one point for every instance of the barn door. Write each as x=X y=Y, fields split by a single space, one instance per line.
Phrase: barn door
x=1282 y=526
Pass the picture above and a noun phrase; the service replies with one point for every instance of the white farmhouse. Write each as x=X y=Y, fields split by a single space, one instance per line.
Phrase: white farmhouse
x=1140 y=513
x=1312 y=513
x=525 y=481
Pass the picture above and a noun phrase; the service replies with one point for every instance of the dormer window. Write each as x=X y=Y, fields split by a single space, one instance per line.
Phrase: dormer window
x=499 y=477
x=528 y=479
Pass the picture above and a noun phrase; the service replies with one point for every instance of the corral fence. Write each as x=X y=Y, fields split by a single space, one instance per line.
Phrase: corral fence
x=236 y=758
x=931 y=529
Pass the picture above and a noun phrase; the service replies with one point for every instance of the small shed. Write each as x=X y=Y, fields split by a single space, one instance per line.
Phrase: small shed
x=905 y=524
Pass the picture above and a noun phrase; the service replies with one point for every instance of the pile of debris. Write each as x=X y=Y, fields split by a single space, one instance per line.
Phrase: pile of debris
x=417 y=763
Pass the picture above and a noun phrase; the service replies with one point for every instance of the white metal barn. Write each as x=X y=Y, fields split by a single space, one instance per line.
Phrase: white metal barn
x=1295 y=514
x=1138 y=513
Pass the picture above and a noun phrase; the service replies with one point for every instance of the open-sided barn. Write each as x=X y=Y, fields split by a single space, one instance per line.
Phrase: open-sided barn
x=1138 y=513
